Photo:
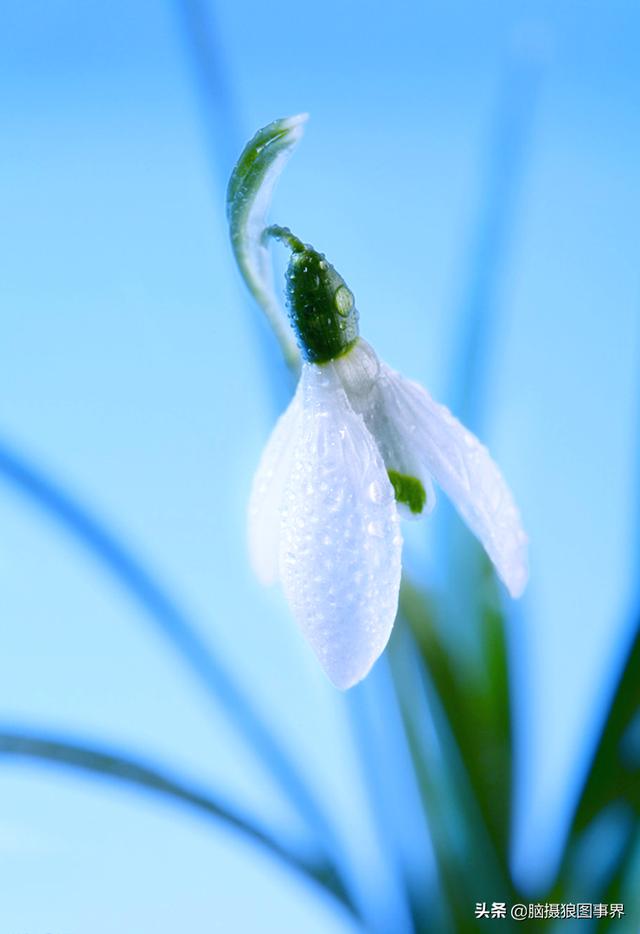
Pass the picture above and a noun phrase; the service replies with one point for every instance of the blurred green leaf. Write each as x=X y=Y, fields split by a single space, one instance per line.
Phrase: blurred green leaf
x=470 y=866
x=624 y=885
x=612 y=781
x=123 y=768
x=474 y=696
x=614 y=774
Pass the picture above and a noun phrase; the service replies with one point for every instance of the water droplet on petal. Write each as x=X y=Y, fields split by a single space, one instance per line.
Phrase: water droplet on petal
x=375 y=492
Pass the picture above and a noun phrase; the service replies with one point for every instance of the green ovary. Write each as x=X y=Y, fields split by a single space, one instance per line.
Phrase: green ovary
x=321 y=306
x=408 y=490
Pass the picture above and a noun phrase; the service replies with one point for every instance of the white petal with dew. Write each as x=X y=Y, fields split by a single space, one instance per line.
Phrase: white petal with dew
x=340 y=546
x=464 y=469
x=267 y=493
x=365 y=379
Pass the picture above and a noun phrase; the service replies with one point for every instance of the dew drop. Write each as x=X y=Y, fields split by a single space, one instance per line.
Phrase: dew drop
x=375 y=492
x=343 y=300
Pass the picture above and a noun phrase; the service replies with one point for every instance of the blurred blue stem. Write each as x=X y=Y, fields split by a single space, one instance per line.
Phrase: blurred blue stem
x=109 y=763
x=494 y=228
x=479 y=311
x=223 y=135
x=172 y=623
x=393 y=796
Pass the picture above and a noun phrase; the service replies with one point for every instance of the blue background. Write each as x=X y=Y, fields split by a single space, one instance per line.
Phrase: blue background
x=131 y=372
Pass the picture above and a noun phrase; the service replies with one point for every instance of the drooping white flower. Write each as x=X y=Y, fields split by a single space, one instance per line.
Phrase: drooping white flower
x=358 y=447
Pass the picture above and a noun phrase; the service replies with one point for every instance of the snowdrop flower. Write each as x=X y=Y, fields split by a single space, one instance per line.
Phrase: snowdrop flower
x=359 y=447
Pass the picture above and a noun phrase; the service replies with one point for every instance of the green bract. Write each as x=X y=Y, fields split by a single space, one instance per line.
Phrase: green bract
x=248 y=198
x=321 y=307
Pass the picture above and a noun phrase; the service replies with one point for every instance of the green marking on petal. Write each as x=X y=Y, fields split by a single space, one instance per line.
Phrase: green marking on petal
x=408 y=490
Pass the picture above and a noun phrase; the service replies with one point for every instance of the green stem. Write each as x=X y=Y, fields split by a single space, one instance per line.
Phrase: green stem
x=284 y=235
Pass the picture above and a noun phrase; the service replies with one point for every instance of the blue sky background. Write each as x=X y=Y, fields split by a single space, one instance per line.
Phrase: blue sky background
x=130 y=370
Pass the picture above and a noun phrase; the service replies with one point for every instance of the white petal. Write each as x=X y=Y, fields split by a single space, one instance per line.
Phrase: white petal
x=364 y=378
x=267 y=493
x=341 y=545
x=464 y=469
